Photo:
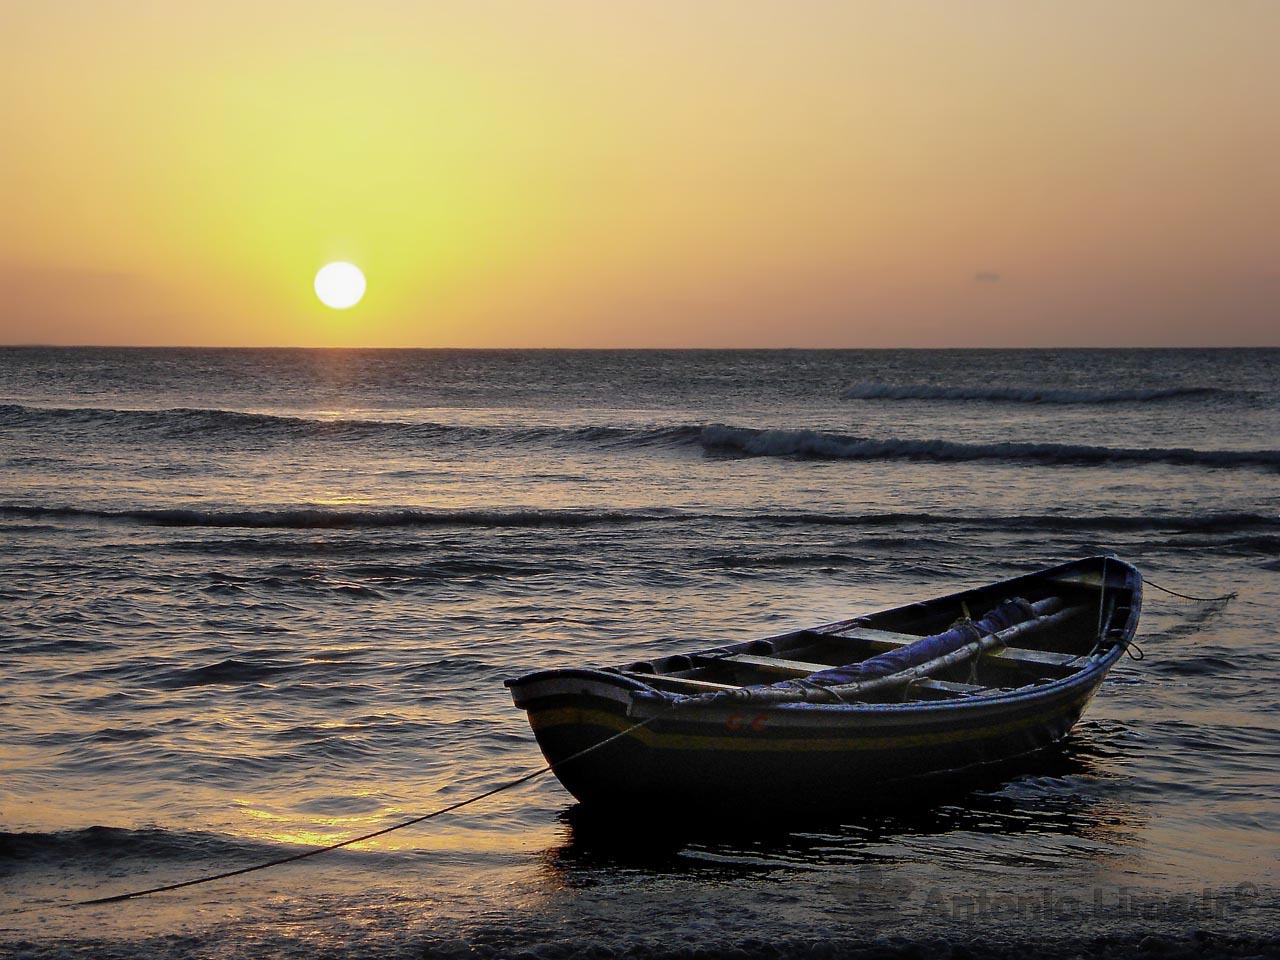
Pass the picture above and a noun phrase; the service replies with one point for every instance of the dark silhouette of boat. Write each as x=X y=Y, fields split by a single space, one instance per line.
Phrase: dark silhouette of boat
x=878 y=706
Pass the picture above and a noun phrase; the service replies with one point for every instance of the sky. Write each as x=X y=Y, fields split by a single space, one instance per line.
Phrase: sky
x=667 y=173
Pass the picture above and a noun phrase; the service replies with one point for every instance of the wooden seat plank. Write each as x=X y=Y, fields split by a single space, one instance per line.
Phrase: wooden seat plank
x=1043 y=658
x=786 y=668
x=946 y=686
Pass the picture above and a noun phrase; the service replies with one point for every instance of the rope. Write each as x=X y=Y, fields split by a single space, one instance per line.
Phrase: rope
x=1174 y=593
x=508 y=785
x=524 y=778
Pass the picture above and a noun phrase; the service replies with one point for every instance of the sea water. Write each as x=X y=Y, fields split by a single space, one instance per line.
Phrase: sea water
x=253 y=601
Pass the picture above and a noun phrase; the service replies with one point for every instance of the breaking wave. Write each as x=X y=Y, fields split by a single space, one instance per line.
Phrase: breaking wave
x=923 y=391
x=204 y=425
x=747 y=441
x=182 y=423
x=310 y=518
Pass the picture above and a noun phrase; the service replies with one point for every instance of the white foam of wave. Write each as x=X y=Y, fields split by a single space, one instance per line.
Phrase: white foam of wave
x=921 y=391
x=810 y=443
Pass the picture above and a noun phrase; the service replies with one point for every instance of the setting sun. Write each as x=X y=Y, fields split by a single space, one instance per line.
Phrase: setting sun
x=697 y=507
x=340 y=285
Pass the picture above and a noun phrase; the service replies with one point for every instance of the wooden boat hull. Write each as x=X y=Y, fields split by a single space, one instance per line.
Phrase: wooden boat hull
x=743 y=759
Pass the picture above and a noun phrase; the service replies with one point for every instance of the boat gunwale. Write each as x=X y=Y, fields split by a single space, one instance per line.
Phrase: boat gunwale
x=657 y=703
x=689 y=708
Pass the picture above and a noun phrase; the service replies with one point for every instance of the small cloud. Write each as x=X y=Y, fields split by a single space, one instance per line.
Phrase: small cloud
x=986 y=276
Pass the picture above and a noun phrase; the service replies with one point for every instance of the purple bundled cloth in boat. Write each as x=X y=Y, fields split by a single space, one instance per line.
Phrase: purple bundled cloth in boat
x=1006 y=615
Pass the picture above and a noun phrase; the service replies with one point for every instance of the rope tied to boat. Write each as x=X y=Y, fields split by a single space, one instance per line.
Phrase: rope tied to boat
x=965 y=626
x=1132 y=645
x=458 y=805
x=994 y=639
x=1225 y=598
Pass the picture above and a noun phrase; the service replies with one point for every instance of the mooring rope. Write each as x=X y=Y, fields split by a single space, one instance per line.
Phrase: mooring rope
x=1174 y=593
x=458 y=805
x=524 y=778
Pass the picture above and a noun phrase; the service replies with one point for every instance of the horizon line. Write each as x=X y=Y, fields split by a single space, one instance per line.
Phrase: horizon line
x=651 y=349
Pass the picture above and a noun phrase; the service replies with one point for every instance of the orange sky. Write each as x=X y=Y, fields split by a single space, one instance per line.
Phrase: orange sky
x=661 y=173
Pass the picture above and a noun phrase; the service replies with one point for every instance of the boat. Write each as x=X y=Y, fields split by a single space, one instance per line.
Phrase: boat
x=834 y=715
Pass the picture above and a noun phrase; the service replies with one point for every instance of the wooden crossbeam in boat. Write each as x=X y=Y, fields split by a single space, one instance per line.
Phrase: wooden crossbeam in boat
x=687 y=683
x=1042 y=658
x=946 y=686
x=785 y=668
x=886 y=640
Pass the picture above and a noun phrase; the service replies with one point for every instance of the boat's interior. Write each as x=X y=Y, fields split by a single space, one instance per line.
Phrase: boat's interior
x=1095 y=619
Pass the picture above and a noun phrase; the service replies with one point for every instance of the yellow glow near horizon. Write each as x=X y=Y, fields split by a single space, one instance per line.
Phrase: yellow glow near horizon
x=658 y=174
x=339 y=285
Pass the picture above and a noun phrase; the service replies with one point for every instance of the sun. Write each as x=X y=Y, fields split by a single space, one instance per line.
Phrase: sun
x=340 y=285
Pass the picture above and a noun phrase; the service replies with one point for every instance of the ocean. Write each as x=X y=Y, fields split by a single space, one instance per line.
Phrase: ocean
x=256 y=600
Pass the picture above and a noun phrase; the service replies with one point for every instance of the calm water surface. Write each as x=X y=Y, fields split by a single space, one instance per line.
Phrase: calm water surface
x=255 y=600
